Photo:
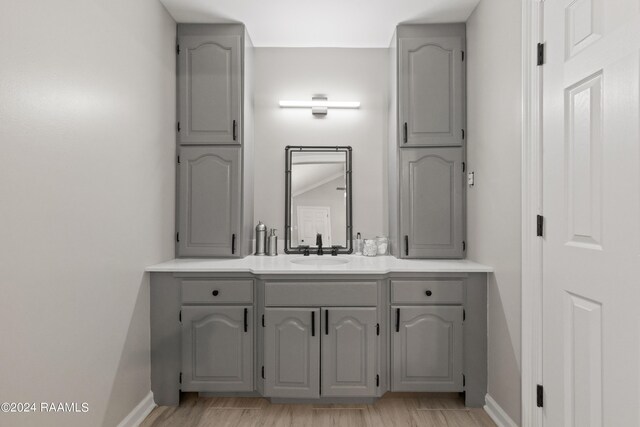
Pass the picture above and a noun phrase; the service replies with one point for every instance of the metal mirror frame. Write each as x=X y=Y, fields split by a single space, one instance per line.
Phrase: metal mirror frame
x=289 y=150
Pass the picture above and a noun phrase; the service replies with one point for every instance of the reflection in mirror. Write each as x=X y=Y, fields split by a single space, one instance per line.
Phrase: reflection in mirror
x=318 y=199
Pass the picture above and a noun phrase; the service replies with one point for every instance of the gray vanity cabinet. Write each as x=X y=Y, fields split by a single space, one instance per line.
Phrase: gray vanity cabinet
x=431 y=203
x=209 y=201
x=292 y=352
x=349 y=352
x=431 y=90
x=217 y=348
x=209 y=87
x=427 y=351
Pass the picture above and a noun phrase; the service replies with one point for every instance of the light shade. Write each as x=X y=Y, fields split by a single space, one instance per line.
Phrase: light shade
x=321 y=104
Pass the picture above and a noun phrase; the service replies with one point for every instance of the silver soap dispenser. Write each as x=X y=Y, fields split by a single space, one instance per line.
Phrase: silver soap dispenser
x=261 y=238
x=272 y=243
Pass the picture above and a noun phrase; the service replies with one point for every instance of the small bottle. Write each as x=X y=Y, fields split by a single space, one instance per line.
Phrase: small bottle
x=272 y=246
x=358 y=247
x=261 y=238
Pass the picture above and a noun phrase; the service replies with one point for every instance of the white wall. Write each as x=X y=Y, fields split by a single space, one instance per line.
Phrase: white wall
x=87 y=115
x=343 y=75
x=494 y=118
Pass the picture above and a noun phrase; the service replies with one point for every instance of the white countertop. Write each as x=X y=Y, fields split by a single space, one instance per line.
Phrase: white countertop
x=282 y=264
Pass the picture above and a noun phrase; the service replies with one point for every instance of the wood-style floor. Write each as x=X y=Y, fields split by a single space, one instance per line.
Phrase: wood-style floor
x=392 y=410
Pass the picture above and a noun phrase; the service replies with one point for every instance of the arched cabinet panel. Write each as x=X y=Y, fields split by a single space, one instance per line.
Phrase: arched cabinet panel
x=217 y=349
x=348 y=351
x=432 y=214
x=209 y=201
x=431 y=98
x=292 y=352
x=427 y=348
x=209 y=89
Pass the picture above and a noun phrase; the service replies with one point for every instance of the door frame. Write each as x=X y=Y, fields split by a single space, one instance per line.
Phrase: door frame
x=532 y=267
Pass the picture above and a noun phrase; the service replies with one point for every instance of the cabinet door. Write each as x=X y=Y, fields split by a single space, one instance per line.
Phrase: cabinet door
x=209 y=89
x=349 y=352
x=209 y=201
x=292 y=352
x=217 y=348
x=431 y=203
x=427 y=348
x=431 y=98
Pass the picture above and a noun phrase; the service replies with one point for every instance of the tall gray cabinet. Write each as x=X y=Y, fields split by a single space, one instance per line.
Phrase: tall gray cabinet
x=427 y=142
x=215 y=141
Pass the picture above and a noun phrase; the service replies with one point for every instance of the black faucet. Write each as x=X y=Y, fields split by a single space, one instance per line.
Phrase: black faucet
x=319 y=243
x=304 y=250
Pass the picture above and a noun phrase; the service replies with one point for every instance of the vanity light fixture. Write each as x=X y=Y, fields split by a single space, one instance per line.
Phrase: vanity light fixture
x=319 y=104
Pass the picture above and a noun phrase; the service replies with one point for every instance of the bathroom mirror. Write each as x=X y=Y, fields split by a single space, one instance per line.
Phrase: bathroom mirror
x=318 y=200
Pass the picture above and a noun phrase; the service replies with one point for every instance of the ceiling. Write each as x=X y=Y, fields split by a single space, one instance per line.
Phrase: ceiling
x=321 y=23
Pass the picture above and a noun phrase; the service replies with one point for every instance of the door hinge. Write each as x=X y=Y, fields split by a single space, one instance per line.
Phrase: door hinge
x=178 y=127
x=540 y=396
x=180 y=377
x=263 y=373
x=377 y=328
x=462 y=133
x=539 y=226
x=464 y=246
x=463 y=55
x=377 y=380
x=263 y=320
x=178 y=237
x=180 y=316
x=540 y=53
x=464 y=380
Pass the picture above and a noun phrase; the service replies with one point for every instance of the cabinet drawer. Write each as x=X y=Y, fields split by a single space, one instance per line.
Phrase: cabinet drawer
x=440 y=291
x=217 y=291
x=300 y=294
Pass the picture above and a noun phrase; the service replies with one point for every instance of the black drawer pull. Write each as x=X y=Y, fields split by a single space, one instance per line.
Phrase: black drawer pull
x=429 y=293
x=233 y=243
x=313 y=323
x=406 y=245
x=246 y=319
x=397 y=320
x=215 y=293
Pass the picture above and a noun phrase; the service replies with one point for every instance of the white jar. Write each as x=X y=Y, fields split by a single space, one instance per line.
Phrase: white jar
x=383 y=245
x=370 y=248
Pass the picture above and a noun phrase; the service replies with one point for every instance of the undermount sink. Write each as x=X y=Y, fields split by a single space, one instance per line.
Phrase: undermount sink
x=320 y=261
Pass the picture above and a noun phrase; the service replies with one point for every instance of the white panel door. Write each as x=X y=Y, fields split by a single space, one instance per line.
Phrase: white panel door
x=314 y=220
x=591 y=249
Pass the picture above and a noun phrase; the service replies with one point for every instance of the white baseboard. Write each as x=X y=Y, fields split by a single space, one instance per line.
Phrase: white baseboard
x=497 y=414
x=139 y=413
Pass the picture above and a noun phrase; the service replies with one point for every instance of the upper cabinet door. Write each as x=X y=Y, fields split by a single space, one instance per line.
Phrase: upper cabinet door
x=349 y=352
x=431 y=97
x=210 y=89
x=292 y=352
x=209 y=201
x=431 y=203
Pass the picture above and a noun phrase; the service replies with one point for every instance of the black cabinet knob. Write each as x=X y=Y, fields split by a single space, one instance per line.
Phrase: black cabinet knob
x=428 y=293
x=215 y=293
